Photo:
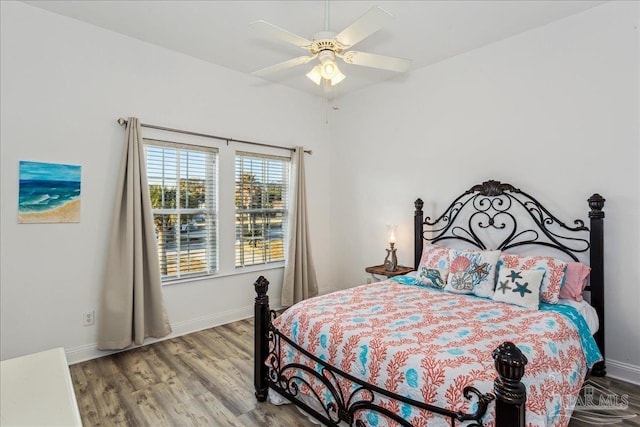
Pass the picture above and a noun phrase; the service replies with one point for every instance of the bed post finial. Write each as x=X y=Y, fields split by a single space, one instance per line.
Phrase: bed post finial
x=511 y=394
x=262 y=321
x=596 y=203
x=418 y=220
x=261 y=286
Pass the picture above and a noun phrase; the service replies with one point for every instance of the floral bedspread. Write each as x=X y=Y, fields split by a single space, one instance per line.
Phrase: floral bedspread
x=428 y=345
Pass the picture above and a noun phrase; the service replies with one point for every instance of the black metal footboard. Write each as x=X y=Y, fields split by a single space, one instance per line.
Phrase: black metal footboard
x=336 y=407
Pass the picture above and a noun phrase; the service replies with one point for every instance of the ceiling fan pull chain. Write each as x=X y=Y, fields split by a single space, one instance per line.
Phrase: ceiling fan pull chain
x=326 y=108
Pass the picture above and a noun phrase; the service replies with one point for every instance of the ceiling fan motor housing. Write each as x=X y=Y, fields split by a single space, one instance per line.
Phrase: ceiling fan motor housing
x=323 y=41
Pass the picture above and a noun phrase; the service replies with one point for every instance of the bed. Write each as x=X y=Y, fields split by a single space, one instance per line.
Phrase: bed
x=446 y=345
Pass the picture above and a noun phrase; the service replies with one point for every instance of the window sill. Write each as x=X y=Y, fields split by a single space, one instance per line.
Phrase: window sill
x=235 y=272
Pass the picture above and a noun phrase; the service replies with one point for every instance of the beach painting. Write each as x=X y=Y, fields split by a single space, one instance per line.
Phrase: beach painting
x=48 y=193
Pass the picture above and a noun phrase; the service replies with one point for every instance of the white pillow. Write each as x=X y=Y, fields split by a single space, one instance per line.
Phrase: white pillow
x=554 y=272
x=587 y=311
x=472 y=272
x=519 y=287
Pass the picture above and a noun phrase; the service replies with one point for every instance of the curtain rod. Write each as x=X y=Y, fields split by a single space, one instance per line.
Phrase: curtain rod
x=122 y=122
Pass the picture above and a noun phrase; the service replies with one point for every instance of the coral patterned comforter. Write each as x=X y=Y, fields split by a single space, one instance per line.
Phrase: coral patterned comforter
x=428 y=345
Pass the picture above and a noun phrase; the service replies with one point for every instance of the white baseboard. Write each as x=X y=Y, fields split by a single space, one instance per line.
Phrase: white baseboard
x=90 y=351
x=623 y=371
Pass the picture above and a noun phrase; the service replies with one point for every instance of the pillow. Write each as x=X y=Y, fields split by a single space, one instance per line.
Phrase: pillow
x=472 y=272
x=519 y=287
x=587 y=311
x=552 y=280
x=575 y=280
x=434 y=256
x=432 y=277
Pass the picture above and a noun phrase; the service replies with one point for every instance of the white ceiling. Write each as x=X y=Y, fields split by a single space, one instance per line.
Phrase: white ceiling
x=218 y=31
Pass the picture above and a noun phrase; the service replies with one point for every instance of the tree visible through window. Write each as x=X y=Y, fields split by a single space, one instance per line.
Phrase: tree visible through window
x=261 y=208
x=182 y=187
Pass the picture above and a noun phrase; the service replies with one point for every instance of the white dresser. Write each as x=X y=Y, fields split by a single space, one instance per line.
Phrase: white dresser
x=36 y=390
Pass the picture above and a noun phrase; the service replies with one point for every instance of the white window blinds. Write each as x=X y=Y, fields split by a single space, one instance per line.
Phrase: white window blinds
x=183 y=189
x=262 y=186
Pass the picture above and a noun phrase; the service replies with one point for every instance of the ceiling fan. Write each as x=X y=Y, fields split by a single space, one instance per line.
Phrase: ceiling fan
x=326 y=46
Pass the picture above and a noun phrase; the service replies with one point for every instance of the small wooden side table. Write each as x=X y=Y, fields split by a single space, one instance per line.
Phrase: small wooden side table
x=378 y=270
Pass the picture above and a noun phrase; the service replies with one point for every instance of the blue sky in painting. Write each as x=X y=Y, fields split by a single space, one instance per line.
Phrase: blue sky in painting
x=32 y=171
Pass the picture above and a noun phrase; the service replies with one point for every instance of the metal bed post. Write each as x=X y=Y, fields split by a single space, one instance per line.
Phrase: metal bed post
x=511 y=394
x=596 y=254
x=417 y=233
x=262 y=322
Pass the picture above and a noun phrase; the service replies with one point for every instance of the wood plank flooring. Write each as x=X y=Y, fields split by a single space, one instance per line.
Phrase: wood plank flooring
x=203 y=379
x=619 y=388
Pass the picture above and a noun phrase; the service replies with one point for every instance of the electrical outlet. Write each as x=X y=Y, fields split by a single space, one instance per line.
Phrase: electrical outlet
x=88 y=318
x=368 y=280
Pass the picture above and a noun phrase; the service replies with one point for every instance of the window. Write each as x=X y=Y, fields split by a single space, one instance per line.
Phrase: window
x=182 y=185
x=261 y=208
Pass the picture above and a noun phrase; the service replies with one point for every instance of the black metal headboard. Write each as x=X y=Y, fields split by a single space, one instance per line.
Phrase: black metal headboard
x=516 y=220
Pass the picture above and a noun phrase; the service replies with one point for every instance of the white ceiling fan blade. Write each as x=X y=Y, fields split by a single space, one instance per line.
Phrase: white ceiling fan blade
x=377 y=61
x=284 y=65
x=363 y=27
x=280 y=33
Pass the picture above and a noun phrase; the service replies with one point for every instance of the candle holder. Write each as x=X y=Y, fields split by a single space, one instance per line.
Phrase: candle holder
x=391 y=264
x=391 y=260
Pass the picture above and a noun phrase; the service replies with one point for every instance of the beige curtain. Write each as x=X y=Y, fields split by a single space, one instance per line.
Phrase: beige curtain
x=132 y=308
x=299 y=272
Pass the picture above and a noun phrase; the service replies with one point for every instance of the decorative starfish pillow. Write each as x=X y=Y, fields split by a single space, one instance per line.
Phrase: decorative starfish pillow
x=554 y=272
x=519 y=287
x=472 y=272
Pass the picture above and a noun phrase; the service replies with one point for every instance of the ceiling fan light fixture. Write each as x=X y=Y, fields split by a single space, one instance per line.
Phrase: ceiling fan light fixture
x=329 y=69
x=337 y=78
x=315 y=75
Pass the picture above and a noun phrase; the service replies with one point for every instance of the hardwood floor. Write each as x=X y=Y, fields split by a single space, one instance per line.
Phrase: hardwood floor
x=623 y=391
x=203 y=379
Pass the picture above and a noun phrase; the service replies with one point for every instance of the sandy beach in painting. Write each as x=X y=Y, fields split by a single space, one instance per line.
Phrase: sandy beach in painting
x=69 y=212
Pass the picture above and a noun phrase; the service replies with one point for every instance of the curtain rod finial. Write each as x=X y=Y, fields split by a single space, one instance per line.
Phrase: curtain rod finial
x=122 y=121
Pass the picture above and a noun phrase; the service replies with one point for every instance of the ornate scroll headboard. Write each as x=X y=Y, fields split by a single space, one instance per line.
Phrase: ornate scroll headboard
x=495 y=215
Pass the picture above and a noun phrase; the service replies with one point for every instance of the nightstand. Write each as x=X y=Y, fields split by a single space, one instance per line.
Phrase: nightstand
x=378 y=270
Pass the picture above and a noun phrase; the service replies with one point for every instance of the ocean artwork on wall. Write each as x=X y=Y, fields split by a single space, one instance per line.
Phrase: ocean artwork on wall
x=49 y=192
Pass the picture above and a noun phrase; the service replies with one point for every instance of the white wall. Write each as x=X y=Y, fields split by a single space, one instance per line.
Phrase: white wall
x=64 y=84
x=553 y=111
